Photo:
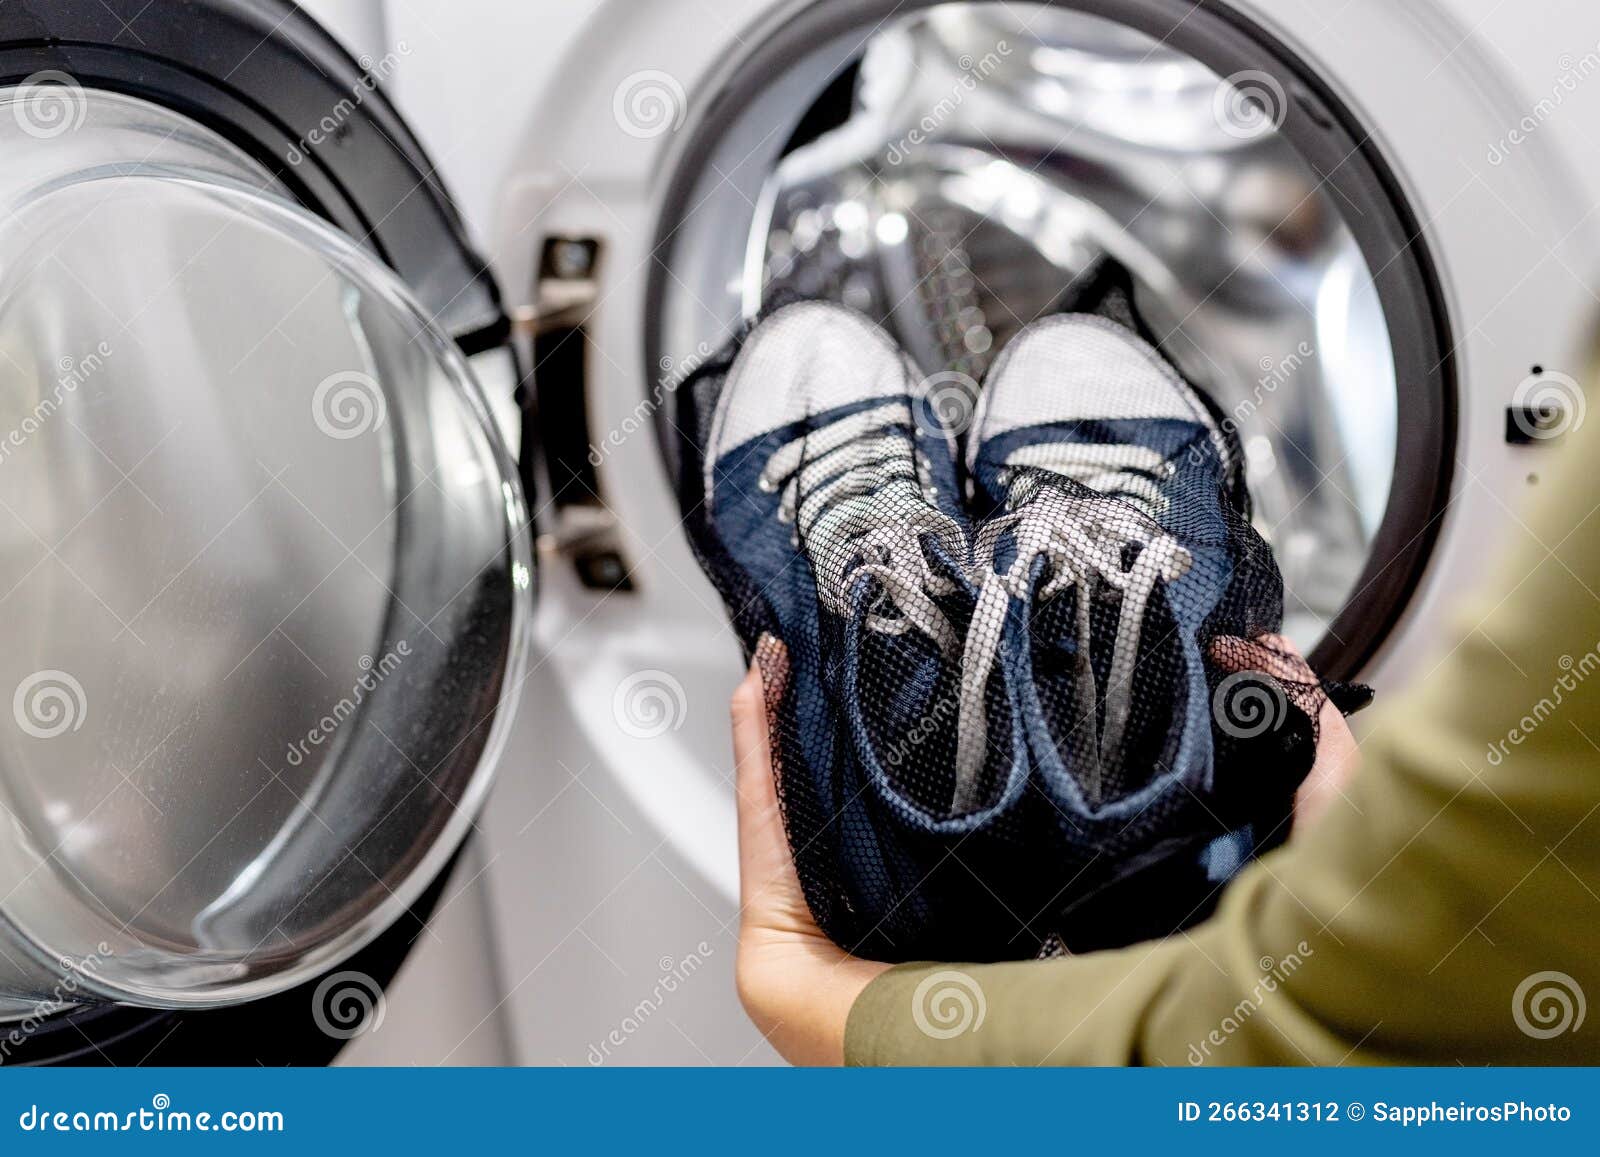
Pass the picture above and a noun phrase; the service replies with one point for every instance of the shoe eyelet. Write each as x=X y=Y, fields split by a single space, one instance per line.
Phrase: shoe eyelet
x=766 y=485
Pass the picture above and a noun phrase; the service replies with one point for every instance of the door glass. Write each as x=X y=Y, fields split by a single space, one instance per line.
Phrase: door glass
x=264 y=570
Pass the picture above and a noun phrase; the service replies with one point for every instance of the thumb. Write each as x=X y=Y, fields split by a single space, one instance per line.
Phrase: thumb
x=766 y=870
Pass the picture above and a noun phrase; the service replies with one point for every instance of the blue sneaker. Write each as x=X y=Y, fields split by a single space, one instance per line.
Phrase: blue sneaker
x=1117 y=542
x=984 y=742
x=831 y=517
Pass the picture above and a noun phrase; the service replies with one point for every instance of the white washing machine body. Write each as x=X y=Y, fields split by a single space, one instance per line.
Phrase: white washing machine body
x=610 y=840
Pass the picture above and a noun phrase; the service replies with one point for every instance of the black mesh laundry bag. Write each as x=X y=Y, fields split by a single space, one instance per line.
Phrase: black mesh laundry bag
x=1019 y=648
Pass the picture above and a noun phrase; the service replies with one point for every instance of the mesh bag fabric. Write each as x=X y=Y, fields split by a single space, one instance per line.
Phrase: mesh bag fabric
x=1011 y=712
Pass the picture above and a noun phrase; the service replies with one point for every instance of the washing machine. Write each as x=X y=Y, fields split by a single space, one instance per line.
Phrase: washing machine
x=1367 y=229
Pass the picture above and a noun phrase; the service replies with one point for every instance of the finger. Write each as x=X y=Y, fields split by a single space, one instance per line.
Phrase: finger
x=752 y=760
x=754 y=704
x=772 y=660
x=1338 y=758
x=750 y=743
x=764 y=860
x=1274 y=655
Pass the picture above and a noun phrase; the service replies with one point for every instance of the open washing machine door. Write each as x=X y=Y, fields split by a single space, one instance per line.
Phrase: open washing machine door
x=266 y=555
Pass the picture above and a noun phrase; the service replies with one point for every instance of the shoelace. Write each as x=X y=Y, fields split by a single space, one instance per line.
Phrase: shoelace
x=1084 y=538
x=861 y=507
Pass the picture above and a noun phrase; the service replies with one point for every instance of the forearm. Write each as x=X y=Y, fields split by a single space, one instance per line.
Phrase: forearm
x=1188 y=1000
x=1396 y=932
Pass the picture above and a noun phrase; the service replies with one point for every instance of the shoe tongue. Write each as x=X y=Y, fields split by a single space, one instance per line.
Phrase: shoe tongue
x=1106 y=289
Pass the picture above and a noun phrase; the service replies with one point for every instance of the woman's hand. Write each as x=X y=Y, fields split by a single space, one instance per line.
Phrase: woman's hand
x=1338 y=756
x=796 y=984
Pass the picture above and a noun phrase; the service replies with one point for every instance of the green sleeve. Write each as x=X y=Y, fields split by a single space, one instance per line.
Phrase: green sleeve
x=1446 y=910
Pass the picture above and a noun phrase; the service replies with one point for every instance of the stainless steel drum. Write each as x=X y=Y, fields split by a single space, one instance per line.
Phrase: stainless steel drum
x=962 y=164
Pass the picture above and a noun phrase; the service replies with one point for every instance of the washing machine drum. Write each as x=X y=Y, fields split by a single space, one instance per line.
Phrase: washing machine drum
x=953 y=170
x=265 y=568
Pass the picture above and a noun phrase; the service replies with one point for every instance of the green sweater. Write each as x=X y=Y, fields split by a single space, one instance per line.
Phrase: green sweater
x=1446 y=911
